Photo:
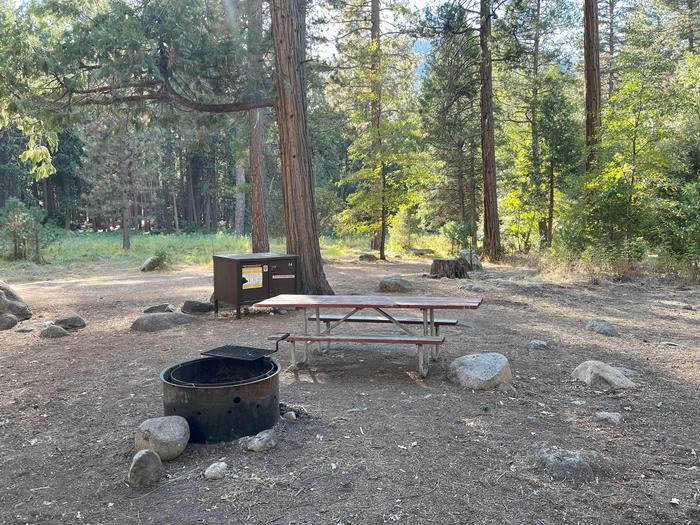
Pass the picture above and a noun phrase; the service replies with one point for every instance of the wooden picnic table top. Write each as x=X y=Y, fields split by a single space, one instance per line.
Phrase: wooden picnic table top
x=370 y=301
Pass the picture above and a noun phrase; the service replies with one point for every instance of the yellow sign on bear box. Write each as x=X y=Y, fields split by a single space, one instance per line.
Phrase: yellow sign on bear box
x=254 y=277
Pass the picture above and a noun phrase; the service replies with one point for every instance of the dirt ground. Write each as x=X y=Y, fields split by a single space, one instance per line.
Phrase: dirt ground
x=382 y=446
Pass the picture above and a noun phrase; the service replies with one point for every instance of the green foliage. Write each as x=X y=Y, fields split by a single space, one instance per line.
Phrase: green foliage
x=405 y=229
x=328 y=206
x=21 y=229
x=459 y=235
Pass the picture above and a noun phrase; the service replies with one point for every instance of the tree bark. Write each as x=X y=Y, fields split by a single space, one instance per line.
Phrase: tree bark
x=550 y=211
x=492 y=234
x=239 y=219
x=259 y=237
x=176 y=220
x=591 y=58
x=534 y=131
x=611 y=47
x=379 y=236
x=295 y=154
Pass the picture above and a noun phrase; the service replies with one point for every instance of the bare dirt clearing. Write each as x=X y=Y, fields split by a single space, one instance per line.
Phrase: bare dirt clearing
x=382 y=446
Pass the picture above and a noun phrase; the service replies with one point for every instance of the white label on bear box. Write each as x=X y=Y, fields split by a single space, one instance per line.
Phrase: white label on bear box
x=283 y=276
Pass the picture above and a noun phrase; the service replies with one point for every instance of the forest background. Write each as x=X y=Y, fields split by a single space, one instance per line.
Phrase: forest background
x=456 y=125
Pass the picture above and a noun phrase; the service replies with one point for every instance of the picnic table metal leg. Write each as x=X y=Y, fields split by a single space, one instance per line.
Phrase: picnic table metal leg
x=434 y=349
x=306 y=332
x=293 y=354
x=318 y=329
x=424 y=353
x=328 y=344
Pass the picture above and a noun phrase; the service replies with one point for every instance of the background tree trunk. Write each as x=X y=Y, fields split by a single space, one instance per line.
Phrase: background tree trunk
x=239 y=219
x=379 y=236
x=591 y=59
x=295 y=154
x=492 y=234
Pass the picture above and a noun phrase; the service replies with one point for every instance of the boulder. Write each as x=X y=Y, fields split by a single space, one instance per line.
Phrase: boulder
x=470 y=260
x=11 y=303
x=261 y=442
x=395 y=283
x=573 y=465
x=368 y=257
x=7 y=321
x=161 y=321
x=614 y=418
x=481 y=371
x=70 y=321
x=151 y=264
x=537 y=344
x=216 y=470
x=601 y=376
x=197 y=307
x=145 y=470
x=167 y=436
x=53 y=331
x=599 y=326
x=159 y=308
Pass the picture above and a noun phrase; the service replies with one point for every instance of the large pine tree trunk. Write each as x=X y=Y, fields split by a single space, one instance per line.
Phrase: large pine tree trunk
x=591 y=59
x=379 y=236
x=534 y=124
x=295 y=154
x=256 y=122
x=492 y=234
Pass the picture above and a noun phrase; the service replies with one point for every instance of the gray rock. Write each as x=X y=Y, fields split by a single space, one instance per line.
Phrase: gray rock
x=470 y=260
x=197 y=307
x=599 y=326
x=368 y=257
x=70 y=321
x=8 y=321
x=444 y=279
x=471 y=287
x=53 y=331
x=481 y=371
x=533 y=287
x=159 y=308
x=161 y=321
x=167 y=436
x=395 y=283
x=688 y=307
x=145 y=470
x=631 y=374
x=573 y=465
x=12 y=303
x=262 y=442
x=537 y=344
x=34 y=326
x=290 y=416
x=601 y=376
x=216 y=470
x=609 y=417
x=151 y=264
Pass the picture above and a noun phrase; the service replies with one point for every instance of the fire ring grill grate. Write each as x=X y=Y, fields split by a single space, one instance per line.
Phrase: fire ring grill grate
x=223 y=399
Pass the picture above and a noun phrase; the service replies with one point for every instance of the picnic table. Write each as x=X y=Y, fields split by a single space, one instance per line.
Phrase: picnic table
x=426 y=338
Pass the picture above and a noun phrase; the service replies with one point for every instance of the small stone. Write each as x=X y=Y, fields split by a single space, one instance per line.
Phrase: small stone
x=444 y=279
x=688 y=307
x=601 y=376
x=161 y=321
x=8 y=321
x=167 y=436
x=262 y=442
x=282 y=311
x=368 y=257
x=471 y=287
x=481 y=371
x=533 y=286
x=53 y=331
x=216 y=471
x=602 y=327
x=146 y=469
x=70 y=321
x=151 y=264
x=609 y=417
x=537 y=344
x=159 y=308
x=395 y=283
x=573 y=465
x=578 y=402
x=197 y=307
x=24 y=329
x=290 y=416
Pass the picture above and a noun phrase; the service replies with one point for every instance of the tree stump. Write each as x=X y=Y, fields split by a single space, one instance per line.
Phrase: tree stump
x=450 y=268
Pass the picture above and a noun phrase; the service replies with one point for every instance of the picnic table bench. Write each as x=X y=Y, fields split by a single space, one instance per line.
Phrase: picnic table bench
x=428 y=342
